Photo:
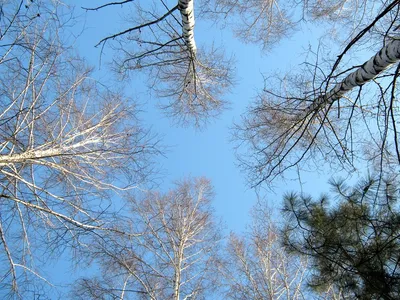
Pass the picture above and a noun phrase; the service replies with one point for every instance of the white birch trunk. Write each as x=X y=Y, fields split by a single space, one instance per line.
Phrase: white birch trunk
x=386 y=57
x=187 y=12
x=35 y=155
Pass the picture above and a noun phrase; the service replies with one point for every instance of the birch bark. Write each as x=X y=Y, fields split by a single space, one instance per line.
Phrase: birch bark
x=385 y=58
x=186 y=9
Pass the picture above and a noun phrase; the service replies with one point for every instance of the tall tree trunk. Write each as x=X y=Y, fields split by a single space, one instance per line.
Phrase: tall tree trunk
x=177 y=279
x=386 y=57
x=187 y=12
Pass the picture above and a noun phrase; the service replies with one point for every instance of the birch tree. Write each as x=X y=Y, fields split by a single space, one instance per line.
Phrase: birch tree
x=257 y=266
x=267 y=22
x=174 y=257
x=346 y=117
x=66 y=145
x=159 y=40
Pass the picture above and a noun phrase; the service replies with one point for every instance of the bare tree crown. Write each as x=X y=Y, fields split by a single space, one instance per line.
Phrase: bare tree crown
x=66 y=144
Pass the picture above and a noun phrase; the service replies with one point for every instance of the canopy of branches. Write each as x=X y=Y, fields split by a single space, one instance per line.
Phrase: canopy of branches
x=72 y=151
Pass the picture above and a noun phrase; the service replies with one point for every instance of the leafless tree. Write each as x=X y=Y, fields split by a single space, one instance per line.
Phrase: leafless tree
x=258 y=267
x=66 y=144
x=160 y=41
x=346 y=116
x=174 y=257
x=266 y=22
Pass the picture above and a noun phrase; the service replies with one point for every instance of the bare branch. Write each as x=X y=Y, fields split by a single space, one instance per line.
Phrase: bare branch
x=138 y=27
x=108 y=4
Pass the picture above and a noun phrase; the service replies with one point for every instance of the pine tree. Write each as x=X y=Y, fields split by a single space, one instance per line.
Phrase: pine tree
x=353 y=243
